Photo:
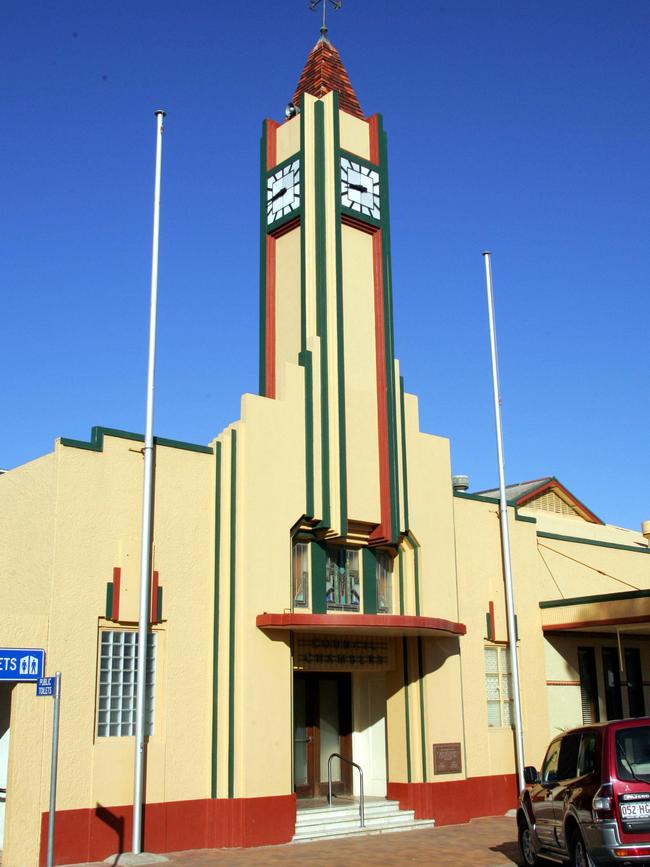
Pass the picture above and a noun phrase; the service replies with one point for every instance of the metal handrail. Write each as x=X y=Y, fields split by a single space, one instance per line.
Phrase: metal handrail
x=329 y=784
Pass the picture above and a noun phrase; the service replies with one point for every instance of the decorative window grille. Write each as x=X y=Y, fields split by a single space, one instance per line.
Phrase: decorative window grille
x=118 y=663
x=300 y=573
x=342 y=579
x=384 y=583
x=498 y=685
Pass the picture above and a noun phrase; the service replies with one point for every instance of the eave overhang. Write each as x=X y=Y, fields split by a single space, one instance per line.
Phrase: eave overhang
x=362 y=624
x=608 y=612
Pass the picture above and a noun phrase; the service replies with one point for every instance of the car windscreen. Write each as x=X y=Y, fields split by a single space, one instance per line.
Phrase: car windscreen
x=633 y=753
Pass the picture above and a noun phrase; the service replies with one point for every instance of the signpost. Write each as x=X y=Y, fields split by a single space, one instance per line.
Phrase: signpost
x=51 y=686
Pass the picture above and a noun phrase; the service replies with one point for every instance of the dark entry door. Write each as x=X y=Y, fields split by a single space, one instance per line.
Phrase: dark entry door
x=322 y=726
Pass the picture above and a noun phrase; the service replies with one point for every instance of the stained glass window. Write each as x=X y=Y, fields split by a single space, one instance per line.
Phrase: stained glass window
x=342 y=579
x=300 y=572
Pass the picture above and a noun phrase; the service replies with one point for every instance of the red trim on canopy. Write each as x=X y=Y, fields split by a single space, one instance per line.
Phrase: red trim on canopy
x=379 y=624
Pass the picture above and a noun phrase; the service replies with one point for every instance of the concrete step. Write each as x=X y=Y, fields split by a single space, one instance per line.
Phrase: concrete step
x=415 y=825
x=317 y=814
x=381 y=817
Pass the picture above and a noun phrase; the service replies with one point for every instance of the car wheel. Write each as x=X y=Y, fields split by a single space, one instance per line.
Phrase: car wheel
x=580 y=857
x=527 y=846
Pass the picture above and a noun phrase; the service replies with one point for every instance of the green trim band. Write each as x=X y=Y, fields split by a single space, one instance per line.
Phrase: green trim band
x=303 y=263
x=340 y=345
x=423 y=742
x=321 y=304
x=215 y=620
x=580 y=541
x=369 y=560
x=318 y=578
x=479 y=498
x=602 y=597
x=109 y=600
x=416 y=561
x=407 y=712
x=97 y=435
x=231 y=632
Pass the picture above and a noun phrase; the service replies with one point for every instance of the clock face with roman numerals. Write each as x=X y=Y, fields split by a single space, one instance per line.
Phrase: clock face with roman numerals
x=283 y=192
x=360 y=188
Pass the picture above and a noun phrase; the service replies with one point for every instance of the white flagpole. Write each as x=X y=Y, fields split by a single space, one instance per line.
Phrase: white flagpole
x=505 y=536
x=147 y=508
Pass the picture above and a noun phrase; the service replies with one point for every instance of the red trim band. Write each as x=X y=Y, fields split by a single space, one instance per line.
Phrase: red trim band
x=94 y=834
x=456 y=801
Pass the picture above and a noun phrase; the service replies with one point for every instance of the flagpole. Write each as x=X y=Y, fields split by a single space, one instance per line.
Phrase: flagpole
x=505 y=535
x=147 y=509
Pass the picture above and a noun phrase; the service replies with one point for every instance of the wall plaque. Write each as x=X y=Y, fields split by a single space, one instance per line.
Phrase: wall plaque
x=446 y=759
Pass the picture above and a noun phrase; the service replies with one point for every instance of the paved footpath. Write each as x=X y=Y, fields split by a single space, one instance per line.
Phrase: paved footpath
x=488 y=842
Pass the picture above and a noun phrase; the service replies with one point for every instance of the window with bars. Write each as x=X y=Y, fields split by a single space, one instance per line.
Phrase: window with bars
x=118 y=660
x=498 y=686
x=300 y=573
x=384 y=583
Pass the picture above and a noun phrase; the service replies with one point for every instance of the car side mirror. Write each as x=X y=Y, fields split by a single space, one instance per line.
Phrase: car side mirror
x=530 y=775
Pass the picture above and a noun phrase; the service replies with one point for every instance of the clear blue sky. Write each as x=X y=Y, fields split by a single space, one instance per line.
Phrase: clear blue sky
x=525 y=124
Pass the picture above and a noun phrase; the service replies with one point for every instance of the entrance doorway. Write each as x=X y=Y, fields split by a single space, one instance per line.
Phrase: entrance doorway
x=322 y=715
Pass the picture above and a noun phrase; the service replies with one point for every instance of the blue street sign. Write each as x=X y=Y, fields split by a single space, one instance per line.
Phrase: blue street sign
x=46 y=686
x=21 y=663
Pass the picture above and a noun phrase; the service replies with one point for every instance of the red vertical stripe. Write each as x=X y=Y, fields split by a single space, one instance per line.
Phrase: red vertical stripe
x=154 y=598
x=382 y=532
x=117 y=576
x=271 y=143
x=493 y=631
x=373 y=123
x=270 y=317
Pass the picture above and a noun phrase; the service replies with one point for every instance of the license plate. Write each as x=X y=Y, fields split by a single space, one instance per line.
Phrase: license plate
x=635 y=811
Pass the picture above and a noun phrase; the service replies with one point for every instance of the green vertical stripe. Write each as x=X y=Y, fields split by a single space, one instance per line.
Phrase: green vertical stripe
x=262 y=360
x=305 y=360
x=215 y=621
x=109 y=600
x=318 y=567
x=404 y=464
x=369 y=581
x=416 y=559
x=407 y=712
x=233 y=563
x=343 y=482
x=159 y=605
x=422 y=715
x=388 y=331
x=321 y=303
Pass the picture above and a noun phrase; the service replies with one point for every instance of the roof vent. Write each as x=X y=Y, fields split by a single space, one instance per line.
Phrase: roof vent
x=645 y=530
x=460 y=484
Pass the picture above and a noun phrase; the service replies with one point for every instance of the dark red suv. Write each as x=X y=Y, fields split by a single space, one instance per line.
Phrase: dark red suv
x=591 y=802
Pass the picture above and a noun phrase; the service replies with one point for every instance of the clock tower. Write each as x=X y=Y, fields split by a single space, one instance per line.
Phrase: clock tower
x=326 y=303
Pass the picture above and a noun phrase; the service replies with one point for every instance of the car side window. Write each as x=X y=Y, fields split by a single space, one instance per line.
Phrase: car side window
x=587 y=754
x=549 y=768
x=567 y=768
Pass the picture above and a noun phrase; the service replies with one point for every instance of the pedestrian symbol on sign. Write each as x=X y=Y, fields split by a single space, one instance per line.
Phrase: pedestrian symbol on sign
x=29 y=665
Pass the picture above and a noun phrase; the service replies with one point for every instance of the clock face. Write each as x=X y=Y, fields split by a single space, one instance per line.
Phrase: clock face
x=283 y=192
x=360 y=188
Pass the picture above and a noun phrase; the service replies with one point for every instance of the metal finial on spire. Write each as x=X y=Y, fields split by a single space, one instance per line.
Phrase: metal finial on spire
x=336 y=4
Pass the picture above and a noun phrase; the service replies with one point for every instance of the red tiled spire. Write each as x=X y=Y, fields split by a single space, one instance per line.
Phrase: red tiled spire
x=324 y=71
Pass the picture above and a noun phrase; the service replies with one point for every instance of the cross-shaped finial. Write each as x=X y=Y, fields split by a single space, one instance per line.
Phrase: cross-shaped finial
x=314 y=3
